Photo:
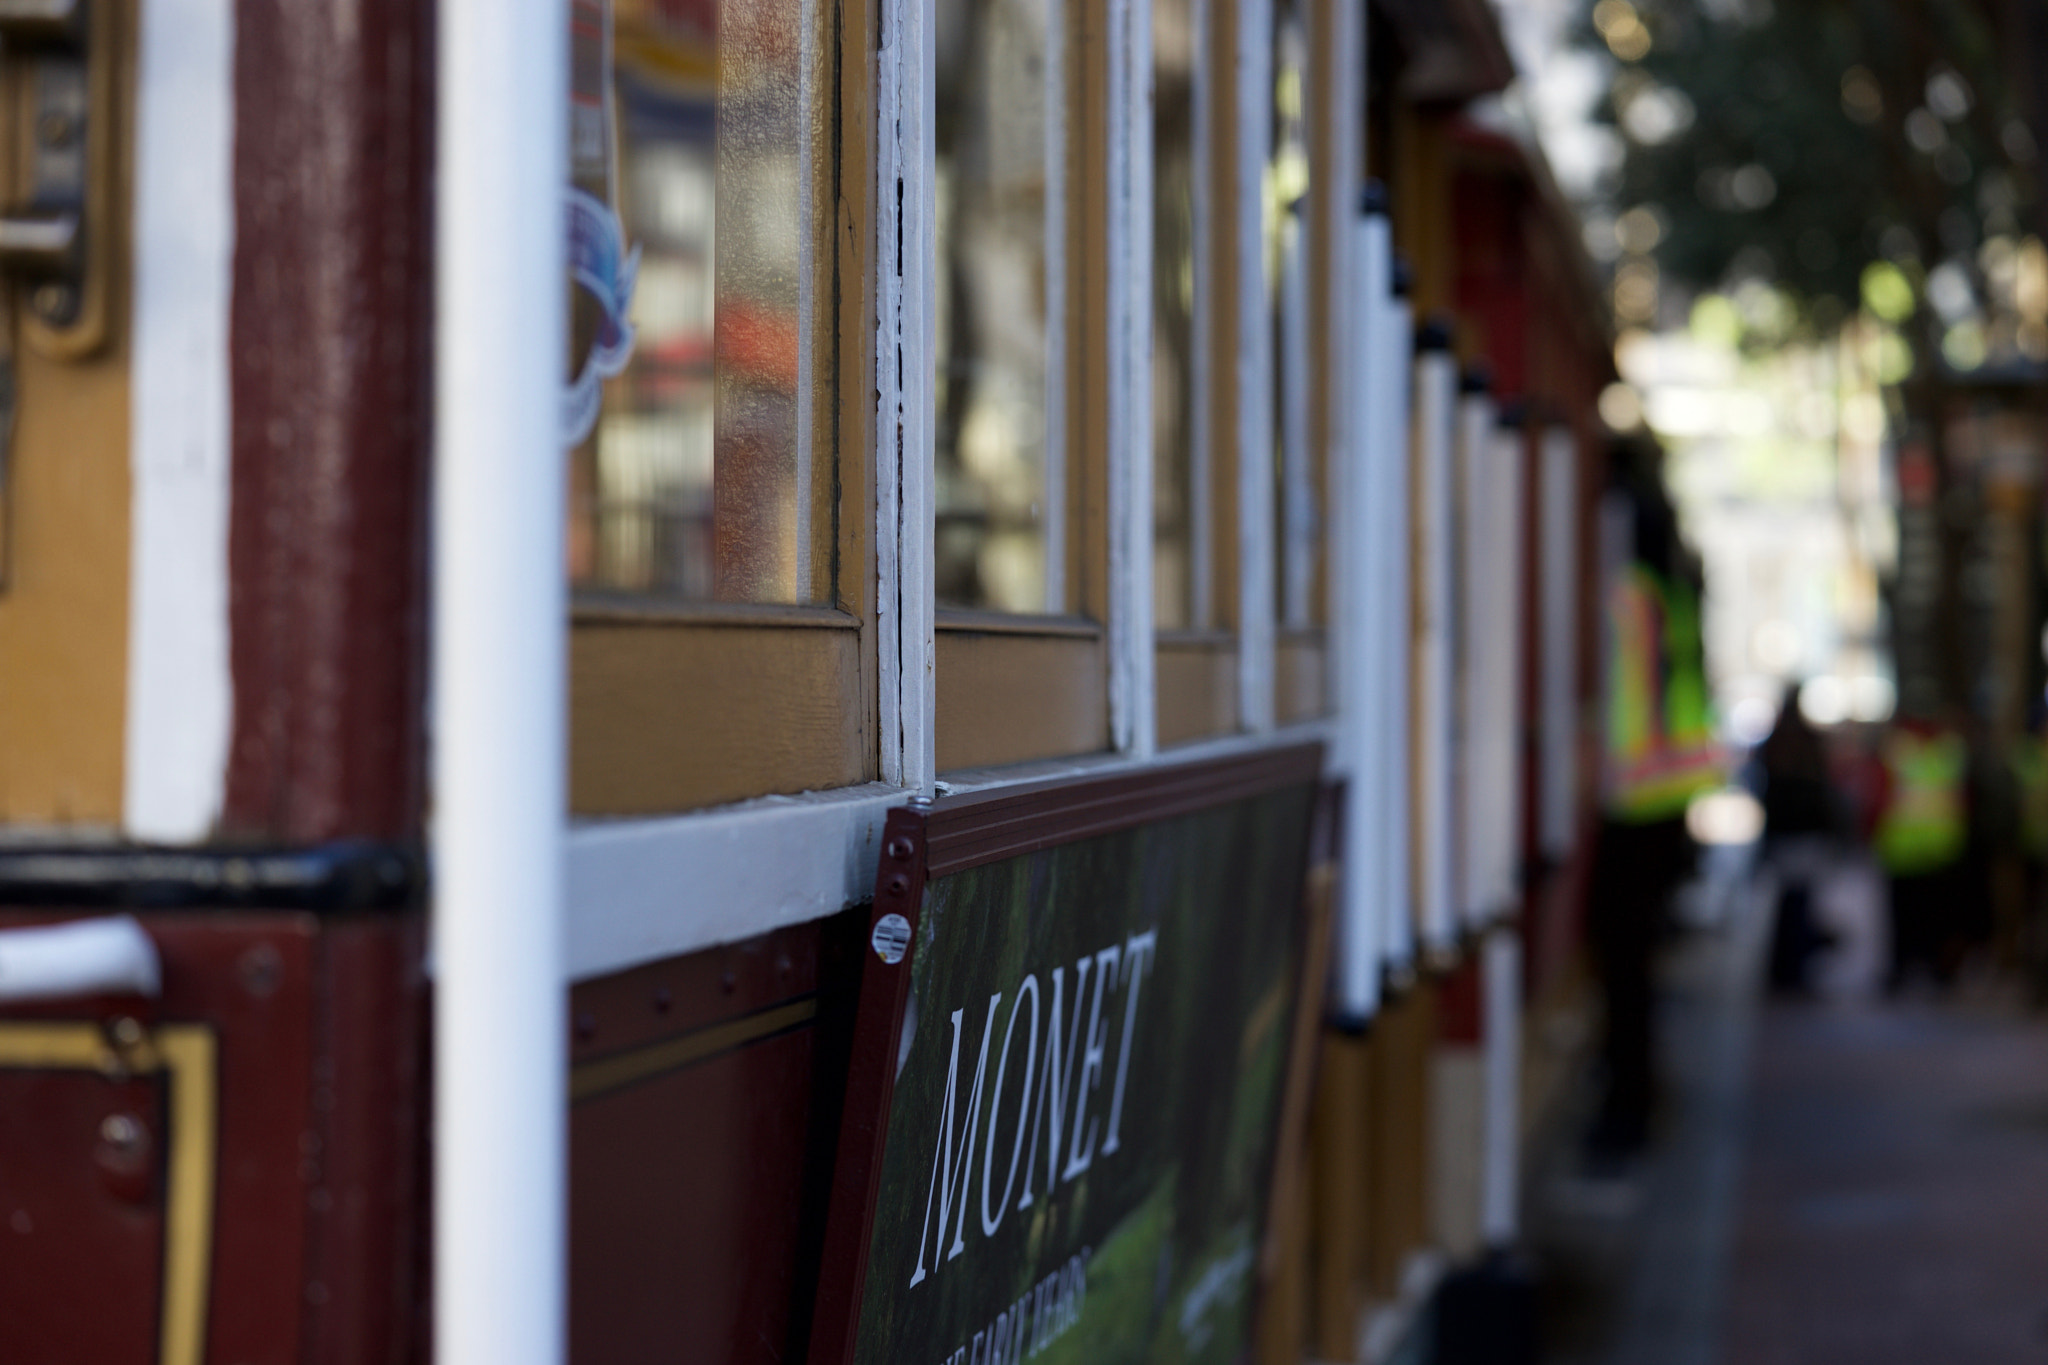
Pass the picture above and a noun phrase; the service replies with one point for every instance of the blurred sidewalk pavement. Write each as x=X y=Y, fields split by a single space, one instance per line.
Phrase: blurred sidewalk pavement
x=1835 y=1181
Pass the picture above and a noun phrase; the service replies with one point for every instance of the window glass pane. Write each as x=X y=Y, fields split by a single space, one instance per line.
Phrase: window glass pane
x=999 y=485
x=697 y=127
x=1176 y=490
x=1286 y=258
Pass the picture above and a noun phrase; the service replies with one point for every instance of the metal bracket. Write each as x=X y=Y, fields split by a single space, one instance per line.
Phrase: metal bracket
x=56 y=233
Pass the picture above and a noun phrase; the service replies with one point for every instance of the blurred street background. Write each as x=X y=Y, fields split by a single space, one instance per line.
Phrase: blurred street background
x=1822 y=227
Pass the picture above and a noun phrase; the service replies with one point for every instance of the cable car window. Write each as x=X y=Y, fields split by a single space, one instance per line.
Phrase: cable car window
x=694 y=124
x=1000 y=486
x=1179 y=558
x=1286 y=261
x=721 y=523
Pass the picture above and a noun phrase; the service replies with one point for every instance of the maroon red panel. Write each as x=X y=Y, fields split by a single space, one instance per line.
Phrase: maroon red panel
x=332 y=388
x=688 y=1207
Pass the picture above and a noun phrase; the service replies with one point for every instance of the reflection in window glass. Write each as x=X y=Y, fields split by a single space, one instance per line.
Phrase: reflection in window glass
x=1287 y=182
x=697 y=127
x=1178 y=491
x=999 y=486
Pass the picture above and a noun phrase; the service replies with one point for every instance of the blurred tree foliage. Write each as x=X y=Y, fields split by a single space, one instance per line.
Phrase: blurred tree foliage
x=1800 y=142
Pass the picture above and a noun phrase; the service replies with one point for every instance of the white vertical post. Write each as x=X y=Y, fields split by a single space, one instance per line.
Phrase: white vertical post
x=1473 y=644
x=1133 y=698
x=905 y=587
x=1360 y=606
x=1255 y=362
x=1395 y=525
x=1436 y=384
x=1501 y=1010
x=180 y=681
x=1510 y=517
x=499 y=704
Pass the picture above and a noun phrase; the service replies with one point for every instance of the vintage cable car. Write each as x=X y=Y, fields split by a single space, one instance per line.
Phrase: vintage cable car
x=598 y=593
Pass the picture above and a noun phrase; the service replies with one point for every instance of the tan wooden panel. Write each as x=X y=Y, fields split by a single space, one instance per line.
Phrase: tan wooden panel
x=1414 y=1130
x=1196 y=682
x=1007 y=697
x=1383 y=1238
x=1399 y=1144
x=1300 y=677
x=64 y=610
x=1342 y=1191
x=672 y=716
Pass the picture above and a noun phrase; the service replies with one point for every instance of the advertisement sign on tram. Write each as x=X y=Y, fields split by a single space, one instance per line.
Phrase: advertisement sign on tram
x=1089 y=1059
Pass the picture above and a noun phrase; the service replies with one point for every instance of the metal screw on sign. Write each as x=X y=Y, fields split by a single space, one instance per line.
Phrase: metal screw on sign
x=891 y=938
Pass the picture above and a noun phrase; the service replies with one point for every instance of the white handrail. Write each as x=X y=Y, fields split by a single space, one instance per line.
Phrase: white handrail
x=83 y=958
x=499 y=704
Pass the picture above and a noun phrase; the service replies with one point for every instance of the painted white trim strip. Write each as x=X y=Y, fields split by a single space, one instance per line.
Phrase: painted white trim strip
x=180 y=687
x=112 y=955
x=644 y=890
x=500 y=685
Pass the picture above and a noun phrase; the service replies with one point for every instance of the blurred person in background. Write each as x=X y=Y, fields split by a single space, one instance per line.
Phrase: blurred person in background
x=1802 y=819
x=1921 y=841
x=1659 y=752
x=2027 y=764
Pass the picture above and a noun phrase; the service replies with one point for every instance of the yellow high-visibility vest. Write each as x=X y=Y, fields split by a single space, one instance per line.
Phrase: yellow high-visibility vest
x=1660 y=748
x=2029 y=763
x=1922 y=828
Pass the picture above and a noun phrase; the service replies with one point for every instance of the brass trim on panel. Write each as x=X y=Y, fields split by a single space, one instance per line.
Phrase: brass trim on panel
x=1006 y=623
x=629 y=609
x=606 y=1074
x=188 y=1054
